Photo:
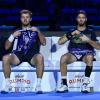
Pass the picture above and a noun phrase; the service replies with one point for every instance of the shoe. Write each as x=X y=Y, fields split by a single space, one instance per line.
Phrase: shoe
x=85 y=88
x=6 y=90
x=62 y=89
x=38 y=89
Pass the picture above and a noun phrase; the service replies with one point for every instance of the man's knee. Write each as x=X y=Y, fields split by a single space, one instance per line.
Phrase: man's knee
x=89 y=57
x=65 y=59
x=89 y=60
x=6 y=58
x=39 y=59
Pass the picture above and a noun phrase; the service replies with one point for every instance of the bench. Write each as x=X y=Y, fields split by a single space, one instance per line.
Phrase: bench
x=23 y=77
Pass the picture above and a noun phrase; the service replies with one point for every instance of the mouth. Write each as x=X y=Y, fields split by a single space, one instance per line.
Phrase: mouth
x=81 y=22
x=25 y=22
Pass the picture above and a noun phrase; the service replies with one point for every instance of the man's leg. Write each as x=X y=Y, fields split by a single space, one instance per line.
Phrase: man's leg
x=64 y=61
x=8 y=60
x=88 y=59
x=38 y=61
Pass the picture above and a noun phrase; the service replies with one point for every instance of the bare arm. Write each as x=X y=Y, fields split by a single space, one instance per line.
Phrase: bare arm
x=94 y=44
x=65 y=38
x=62 y=40
x=9 y=42
x=42 y=39
x=41 y=36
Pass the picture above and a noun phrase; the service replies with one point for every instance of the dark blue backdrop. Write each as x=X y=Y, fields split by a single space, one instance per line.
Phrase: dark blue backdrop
x=49 y=12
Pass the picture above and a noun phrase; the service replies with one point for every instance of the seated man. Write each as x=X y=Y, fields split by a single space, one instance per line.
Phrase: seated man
x=80 y=49
x=28 y=49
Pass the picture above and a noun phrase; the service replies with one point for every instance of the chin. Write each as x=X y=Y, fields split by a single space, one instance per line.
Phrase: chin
x=81 y=24
x=26 y=24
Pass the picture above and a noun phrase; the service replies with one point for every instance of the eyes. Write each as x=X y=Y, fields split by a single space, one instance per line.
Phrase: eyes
x=25 y=17
x=81 y=17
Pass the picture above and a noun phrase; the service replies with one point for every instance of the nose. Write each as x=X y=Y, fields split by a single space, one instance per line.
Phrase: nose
x=25 y=19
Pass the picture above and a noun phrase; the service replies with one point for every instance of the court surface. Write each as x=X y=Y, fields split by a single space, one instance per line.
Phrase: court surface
x=50 y=96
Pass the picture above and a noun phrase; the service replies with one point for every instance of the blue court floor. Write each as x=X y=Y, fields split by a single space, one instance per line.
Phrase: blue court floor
x=50 y=96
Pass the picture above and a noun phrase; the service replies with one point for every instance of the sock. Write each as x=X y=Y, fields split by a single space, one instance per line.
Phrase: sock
x=7 y=81
x=39 y=81
x=88 y=71
x=86 y=80
x=7 y=84
x=64 y=80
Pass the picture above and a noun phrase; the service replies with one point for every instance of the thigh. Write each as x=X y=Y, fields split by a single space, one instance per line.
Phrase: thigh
x=88 y=58
x=37 y=58
x=14 y=60
x=68 y=58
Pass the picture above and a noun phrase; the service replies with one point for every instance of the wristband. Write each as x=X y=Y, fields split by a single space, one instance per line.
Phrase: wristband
x=69 y=36
x=11 y=38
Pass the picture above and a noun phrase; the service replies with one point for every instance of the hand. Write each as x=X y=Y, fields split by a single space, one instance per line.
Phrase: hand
x=75 y=32
x=84 y=38
x=16 y=34
x=34 y=29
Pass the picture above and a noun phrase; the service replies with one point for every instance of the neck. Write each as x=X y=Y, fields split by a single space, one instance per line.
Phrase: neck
x=26 y=26
x=81 y=28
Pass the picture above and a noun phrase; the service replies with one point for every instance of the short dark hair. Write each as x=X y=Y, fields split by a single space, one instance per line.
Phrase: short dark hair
x=26 y=12
x=81 y=12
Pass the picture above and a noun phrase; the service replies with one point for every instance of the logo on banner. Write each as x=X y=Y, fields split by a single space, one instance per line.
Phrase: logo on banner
x=20 y=79
x=21 y=89
x=18 y=83
x=76 y=81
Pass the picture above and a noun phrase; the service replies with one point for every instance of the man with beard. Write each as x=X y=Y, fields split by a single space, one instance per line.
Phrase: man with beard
x=28 y=49
x=80 y=49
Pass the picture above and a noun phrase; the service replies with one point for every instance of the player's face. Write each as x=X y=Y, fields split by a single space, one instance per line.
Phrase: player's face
x=81 y=19
x=25 y=19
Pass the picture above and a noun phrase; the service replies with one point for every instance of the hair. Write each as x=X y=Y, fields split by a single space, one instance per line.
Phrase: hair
x=26 y=12
x=82 y=12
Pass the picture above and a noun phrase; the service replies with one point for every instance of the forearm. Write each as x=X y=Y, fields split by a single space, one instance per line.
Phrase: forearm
x=9 y=42
x=42 y=39
x=94 y=44
x=8 y=45
x=62 y=40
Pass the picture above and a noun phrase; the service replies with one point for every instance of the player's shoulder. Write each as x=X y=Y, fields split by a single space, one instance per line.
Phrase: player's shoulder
x=18 y=29
x=34 y=28
x=90 y=28
x=71 y=29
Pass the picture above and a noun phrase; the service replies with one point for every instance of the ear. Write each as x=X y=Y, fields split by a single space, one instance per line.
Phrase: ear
x=86 y=19
x=30 y=19
x=76 y=18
